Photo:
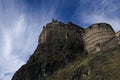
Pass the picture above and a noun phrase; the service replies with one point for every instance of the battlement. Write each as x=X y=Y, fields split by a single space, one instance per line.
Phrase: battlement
x=97 y=25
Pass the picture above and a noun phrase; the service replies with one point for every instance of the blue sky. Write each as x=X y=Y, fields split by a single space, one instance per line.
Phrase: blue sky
x=21 y=22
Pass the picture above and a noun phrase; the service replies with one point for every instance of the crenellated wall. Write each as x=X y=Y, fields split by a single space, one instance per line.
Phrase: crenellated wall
x=95 y=35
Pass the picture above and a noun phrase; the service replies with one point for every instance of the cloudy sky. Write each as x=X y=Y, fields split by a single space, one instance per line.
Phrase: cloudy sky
x=21 y=22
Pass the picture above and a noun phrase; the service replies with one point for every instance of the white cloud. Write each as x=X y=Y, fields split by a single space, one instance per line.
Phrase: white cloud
x=8 y=44
x=9 y=61
x=101 y=11
x=12 y=28
x=114 y=22
x=20 y=26
x=19 y=34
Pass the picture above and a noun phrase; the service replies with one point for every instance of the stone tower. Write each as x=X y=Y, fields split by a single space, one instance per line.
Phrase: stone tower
x=95 y=35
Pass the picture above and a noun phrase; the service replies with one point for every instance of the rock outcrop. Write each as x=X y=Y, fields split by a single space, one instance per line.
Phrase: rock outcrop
x=61 y=54
x=58 y=45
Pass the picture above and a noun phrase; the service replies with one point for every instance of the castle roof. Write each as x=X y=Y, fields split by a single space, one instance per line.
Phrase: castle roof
x=98 y=25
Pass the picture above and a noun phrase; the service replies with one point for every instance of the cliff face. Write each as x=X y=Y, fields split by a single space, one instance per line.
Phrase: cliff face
x=59 y=44
x=58 y=40
x=61 y=55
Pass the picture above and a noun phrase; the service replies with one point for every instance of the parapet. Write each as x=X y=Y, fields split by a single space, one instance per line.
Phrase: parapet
x=97 y=25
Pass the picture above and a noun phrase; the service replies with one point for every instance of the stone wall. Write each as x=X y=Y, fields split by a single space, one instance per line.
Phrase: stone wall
x=118 y=36
x=111 y=43
x=95 y=35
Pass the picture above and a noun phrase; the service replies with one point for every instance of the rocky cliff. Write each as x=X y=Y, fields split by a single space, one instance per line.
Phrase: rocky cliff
x=59 y=44
x=60 y=55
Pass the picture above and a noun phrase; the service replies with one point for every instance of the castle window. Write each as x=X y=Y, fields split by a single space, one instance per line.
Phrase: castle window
x=98 y=47
x=50 y=28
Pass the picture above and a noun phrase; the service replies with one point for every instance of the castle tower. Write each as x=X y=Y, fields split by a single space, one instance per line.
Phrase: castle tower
x=96 y=35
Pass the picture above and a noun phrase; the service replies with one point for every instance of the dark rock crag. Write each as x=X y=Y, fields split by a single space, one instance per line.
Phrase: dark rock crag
x=61 y=54
x=58 y=45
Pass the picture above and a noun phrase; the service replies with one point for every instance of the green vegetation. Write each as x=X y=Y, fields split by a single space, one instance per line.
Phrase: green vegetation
x=101 y=66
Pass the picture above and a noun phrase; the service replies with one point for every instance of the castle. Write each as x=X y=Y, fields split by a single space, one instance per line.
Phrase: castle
x=98 y=37
x=95 y=38
x=60 y=44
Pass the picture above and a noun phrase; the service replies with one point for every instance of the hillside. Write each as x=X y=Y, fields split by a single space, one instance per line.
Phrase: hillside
x=66 y=52
x=101 y=66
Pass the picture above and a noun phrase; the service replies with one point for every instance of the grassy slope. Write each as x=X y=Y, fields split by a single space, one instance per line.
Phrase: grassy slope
x=102 y=66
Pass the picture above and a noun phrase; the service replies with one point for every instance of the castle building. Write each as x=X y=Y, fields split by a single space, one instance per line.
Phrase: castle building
x=96 y=35
x=60 y=44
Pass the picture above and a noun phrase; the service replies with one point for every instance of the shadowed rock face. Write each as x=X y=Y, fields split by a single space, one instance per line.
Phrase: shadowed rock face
x=58 y=45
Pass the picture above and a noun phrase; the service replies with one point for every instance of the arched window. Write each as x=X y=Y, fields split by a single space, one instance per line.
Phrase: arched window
x=98 y=47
